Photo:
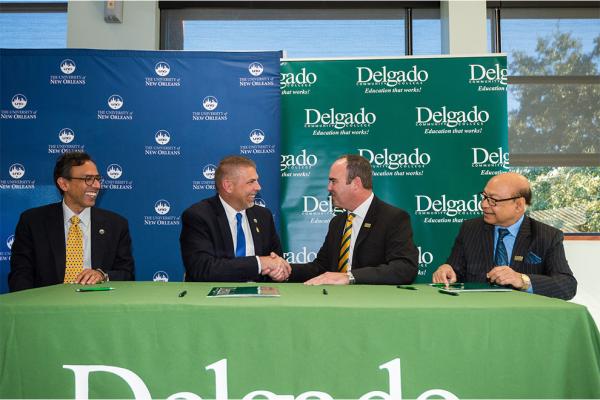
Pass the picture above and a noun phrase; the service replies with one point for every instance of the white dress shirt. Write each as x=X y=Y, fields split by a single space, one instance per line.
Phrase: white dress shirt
x=230 y=212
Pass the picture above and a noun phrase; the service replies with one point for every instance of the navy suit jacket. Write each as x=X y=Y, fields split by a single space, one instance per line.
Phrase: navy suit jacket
x=538 y=252
x=207 y=243
x=38 y=254
x=384 y=252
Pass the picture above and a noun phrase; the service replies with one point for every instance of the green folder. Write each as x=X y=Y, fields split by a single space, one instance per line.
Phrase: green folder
x=244 y=291
x=472 y=287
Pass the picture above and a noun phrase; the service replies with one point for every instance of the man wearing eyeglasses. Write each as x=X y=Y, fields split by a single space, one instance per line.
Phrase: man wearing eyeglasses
x=508 y=248
x=71 y=241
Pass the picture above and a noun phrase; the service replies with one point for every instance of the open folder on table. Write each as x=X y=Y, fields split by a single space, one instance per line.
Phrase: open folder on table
x=244 y=291
x=471 y=287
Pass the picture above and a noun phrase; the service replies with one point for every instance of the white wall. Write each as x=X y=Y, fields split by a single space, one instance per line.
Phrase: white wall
x=584 y=259
x=140 y=29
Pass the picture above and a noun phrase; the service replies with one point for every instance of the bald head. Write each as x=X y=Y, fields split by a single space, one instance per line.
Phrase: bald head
x=513 y=184
x=506 y=197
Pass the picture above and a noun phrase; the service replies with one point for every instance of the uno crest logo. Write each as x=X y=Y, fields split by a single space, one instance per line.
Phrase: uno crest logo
x=115 y=102
x=16 y=171
x=19 y=101
x=67 y=66
x=162 y=68
x=209 y=171
x=162 y=207
x=210 y=103
x=256 y=69
x=114 y=171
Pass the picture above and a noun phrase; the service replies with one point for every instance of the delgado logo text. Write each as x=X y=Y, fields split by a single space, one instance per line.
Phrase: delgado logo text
x=338 y=120
x=390 y=78
x=445 y=206
x=451 y=118
x=300 y=79
x=302 y=161
x=484 y=158
x=393 y=161
x=481 y=74
x=139 y=390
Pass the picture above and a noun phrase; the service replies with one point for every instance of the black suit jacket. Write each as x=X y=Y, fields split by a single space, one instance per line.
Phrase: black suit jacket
x=38 y=253
x=538 y=252
x=384 y=252
x=207 y=244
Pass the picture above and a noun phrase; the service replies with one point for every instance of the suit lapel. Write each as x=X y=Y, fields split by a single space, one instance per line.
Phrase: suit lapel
x=488 y=242
x=255 y=229
x=337 y=231
x=224 y=228
x=56 y=233
x=365 y=229
x=522 y=242
x=98 y=232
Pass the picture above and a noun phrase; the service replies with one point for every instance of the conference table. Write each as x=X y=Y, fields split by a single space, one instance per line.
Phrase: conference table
x=148 y=340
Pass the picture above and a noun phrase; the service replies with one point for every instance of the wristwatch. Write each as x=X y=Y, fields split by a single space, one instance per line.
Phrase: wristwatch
x=526 y=282
x=104 y=275
x=351 y=280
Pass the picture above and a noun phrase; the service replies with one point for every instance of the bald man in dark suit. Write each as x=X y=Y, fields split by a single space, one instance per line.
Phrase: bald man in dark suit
x=508 y=248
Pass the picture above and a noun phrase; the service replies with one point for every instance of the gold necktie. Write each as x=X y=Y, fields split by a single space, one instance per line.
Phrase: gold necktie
x=345 y=247
x=74 y=265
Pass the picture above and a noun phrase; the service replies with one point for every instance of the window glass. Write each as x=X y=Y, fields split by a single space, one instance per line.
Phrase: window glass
x=33 y=30
x=427 y=32
x=566 y=198
x=299 y=38
x=554 y=118
x=553 y=45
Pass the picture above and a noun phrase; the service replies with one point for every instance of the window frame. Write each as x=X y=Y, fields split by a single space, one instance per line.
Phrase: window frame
x=173 y=13
x=544 y=10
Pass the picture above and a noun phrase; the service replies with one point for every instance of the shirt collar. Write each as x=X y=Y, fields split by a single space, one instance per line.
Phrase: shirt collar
x=84 y=216
x=230 y=211
x=361 y=210
x=514 y=228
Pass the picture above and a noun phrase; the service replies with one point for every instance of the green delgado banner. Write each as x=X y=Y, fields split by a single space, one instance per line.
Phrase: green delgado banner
x=434 y=130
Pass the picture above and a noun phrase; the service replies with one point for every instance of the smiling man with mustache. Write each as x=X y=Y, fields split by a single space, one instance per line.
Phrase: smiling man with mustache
x=71 y=241
x=508 y=248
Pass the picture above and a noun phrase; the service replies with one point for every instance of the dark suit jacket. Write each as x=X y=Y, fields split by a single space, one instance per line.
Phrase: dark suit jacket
x=38 y=253
x=538 y=251
x=207 y=244
x=384 y=252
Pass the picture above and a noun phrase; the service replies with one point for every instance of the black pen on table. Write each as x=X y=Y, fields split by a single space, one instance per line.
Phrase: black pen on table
x=183 y=293
x=325 y=291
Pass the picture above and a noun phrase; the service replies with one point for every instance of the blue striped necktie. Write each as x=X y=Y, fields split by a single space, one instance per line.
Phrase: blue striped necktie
x=501 y=257
x=240 y=248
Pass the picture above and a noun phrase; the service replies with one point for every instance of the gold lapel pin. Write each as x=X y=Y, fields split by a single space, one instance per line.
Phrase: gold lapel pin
x=367 y=225
x=518 y=258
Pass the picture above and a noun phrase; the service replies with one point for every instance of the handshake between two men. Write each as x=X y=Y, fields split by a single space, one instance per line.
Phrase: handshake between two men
x=226 y=238
x=275 y=267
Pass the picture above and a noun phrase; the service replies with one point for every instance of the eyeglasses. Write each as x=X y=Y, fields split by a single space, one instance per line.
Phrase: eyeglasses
x=493 y=202
x=89 y=179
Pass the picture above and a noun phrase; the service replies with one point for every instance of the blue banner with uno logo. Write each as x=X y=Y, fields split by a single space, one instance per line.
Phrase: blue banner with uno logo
x=156 y=123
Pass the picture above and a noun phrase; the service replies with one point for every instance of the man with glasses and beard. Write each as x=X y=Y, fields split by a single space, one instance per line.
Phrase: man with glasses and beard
x=71 y=241
x=508 y=248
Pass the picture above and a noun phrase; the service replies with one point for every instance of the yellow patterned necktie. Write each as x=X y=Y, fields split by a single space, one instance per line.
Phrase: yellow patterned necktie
x=345 y=247
x=74 y=265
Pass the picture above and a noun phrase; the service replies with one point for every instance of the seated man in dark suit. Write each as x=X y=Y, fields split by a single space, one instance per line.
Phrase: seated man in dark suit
x=228 y=238
x=71 y=241
x=370 y=243
x=505 y=247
